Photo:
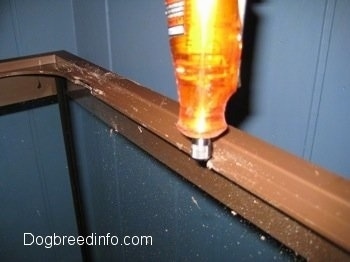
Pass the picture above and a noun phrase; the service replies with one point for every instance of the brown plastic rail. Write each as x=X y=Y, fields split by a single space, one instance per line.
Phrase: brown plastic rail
x=302 y=205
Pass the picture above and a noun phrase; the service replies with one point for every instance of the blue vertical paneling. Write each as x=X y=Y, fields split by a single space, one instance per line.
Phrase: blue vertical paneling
x=42 y=26
x=318 y=85
x=139 y=43
x=331 y=146
x=283 y=69
x=92 y=31
x=8 y=43
x=34 y=192
x=136 y=36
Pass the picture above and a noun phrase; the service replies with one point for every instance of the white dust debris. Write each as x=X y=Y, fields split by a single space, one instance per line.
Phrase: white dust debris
x=210 y=165
x=195 y=202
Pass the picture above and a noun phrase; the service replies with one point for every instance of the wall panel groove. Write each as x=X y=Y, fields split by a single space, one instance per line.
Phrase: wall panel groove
x=16 y=28
x=318 y=83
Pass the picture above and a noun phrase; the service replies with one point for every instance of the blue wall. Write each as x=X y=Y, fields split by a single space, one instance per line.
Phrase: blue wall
x=29 y=27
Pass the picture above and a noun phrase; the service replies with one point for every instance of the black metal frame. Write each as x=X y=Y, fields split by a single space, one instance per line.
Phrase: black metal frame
x=74 y=175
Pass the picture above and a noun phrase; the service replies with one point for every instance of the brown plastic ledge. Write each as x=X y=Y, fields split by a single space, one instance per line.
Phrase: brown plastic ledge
x=302 y=205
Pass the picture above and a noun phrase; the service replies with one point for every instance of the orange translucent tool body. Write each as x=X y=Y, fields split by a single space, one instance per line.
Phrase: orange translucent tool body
x=205 y=42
